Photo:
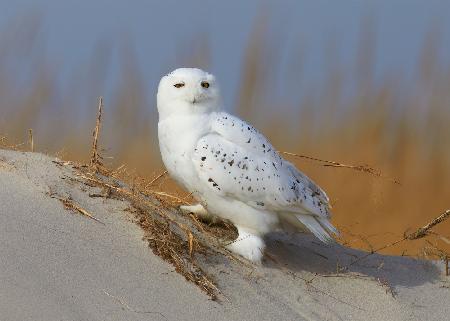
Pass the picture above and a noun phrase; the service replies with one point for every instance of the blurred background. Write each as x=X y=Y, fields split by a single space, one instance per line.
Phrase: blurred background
x=358 y=82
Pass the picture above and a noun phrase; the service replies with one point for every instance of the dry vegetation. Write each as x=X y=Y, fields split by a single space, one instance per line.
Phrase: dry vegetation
x=402 y=131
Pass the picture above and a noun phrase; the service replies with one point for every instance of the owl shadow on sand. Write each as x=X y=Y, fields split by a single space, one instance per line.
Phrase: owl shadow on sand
x=304 y=252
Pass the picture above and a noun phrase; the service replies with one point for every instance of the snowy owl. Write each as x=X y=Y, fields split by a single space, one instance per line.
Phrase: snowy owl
x=231 y=169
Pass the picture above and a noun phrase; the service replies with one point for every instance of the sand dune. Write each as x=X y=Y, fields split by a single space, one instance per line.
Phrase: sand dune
x=59 y=265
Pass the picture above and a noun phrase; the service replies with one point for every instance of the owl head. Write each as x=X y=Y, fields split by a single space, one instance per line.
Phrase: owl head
x=187 y=91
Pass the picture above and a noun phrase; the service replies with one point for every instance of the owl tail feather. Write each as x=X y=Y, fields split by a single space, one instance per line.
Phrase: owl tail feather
x=320 y=227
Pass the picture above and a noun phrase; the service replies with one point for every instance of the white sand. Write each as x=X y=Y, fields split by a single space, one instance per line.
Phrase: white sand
x=57 y=265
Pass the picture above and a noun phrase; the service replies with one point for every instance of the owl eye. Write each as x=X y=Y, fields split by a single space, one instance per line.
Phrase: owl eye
x=205 y=84
x=179 y=85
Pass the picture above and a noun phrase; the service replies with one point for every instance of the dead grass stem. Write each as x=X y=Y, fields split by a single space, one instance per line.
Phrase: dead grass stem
x=361 y=168
x=96 y=159
x=423 y=231
x=153 y=181
x=420 y=233
x=31 y=140
x=71 y=205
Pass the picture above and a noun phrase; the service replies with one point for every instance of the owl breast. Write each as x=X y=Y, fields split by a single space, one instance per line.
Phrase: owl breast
x=178 y=137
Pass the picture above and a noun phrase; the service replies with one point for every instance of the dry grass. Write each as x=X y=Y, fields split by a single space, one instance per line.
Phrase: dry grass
x=401 y=131
x=174 y=238
x=70 y=204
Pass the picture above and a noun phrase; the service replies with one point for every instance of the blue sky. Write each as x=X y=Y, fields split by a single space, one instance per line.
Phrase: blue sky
x=160 y=30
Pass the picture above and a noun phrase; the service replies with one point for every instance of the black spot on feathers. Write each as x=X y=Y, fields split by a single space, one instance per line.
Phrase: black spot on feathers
x=214 y=183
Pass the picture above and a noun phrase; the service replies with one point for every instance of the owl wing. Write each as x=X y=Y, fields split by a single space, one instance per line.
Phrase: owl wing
x=245 y=135
x=237 y=161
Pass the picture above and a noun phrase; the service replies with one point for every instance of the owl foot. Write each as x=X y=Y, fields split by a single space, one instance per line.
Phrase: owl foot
x=200 y=212
x=248 y=245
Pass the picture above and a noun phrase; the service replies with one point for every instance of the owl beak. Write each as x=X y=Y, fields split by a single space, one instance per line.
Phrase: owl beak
x=194 y=99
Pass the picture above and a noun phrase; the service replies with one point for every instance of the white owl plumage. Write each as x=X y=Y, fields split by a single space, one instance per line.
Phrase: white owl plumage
x=231 y=168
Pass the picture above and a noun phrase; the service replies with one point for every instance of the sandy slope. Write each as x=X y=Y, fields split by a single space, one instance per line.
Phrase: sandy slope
x=57 y=265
